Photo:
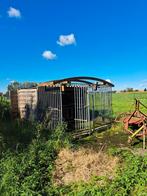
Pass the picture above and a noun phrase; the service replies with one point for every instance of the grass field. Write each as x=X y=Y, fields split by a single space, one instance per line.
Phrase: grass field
x=124 y=102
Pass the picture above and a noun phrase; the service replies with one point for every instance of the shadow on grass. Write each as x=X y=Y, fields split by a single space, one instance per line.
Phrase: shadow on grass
x=113 y=137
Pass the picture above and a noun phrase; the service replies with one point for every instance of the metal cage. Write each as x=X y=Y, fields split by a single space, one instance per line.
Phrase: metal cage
x=84 y=103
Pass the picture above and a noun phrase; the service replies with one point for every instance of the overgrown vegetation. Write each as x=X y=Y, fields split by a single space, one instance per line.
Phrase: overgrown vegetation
x=28 y=171
x=4 y=109
x=29 y=153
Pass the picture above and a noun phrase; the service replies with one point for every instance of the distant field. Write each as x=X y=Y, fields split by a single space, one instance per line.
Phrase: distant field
x=124 y=102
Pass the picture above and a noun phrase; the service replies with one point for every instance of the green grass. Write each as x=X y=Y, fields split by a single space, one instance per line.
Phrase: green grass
x=124 y=102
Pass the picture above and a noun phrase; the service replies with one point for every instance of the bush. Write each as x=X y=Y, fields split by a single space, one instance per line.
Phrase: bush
x=4 y=109
x=30 y=172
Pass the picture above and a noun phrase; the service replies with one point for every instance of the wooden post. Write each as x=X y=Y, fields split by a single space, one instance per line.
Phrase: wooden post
x=144 y=130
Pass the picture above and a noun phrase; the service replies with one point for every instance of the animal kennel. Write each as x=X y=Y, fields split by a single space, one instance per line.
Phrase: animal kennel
x=84 y=103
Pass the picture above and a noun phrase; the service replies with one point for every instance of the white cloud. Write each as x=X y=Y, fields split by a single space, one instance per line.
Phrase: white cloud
x=14 y=13
x=47 y=54
x=65 y=40
x=108 y=80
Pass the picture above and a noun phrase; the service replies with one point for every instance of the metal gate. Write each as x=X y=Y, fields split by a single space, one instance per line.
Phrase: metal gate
x=50 y=102
x=100 y=106
x=82 y=105
x=93 y=107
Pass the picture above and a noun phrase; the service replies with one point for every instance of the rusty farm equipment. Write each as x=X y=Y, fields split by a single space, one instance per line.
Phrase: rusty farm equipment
x=136 y=123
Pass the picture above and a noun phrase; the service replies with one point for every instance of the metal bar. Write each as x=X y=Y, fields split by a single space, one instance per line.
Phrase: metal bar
x=61 y=112
x=79 y=107
x=84 y=107
x=56 y=108
x=81 y=97
x=82 y=78
x=88 y=109
x=144 y=137
x=52 y=110
x=77 y=100
x=142 y=104
x=136 y=132
x=75 y=106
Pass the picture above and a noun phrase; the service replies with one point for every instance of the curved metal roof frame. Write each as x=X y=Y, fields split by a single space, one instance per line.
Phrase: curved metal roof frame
x=84 y=79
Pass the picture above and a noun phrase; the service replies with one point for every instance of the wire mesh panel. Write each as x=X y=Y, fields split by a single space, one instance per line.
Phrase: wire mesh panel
x=100 y=105
x=92 y=106
x=50 y=105
x=83 y=105
x=82 y=115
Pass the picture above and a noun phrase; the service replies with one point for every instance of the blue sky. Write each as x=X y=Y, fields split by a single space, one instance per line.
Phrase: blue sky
x=103 y=38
